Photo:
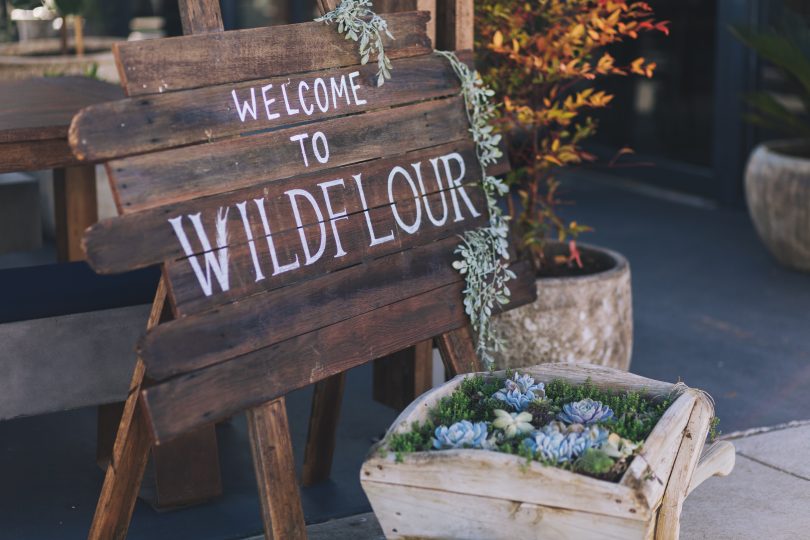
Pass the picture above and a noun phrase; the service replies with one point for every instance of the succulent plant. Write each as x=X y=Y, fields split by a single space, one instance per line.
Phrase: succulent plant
x=512 y=424
x=462 y=434
x=586 y=411
x=519 y=391
x=595 y=462
x=560 y=442
x=617 y=447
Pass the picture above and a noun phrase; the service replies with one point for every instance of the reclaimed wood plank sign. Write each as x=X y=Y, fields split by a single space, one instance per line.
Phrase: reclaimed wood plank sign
x=305 y=219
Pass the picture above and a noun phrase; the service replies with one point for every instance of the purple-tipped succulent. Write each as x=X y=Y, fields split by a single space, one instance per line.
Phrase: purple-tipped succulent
x=519 y=391
x=585 y=412
x=462 y=434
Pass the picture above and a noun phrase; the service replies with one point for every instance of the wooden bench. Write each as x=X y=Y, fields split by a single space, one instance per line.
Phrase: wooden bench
x=305 y=221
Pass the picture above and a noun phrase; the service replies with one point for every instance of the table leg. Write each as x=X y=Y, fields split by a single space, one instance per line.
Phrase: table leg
x=75 y=209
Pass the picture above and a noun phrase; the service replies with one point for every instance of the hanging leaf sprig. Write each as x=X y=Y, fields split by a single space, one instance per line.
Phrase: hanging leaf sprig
x=484 y=251
x=359 y=23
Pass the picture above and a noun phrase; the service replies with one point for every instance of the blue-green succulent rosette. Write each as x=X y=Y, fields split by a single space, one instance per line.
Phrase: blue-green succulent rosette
x=462 y=434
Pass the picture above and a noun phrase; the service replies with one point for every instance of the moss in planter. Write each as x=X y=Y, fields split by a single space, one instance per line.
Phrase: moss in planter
x=634 y=415
x=634 y=418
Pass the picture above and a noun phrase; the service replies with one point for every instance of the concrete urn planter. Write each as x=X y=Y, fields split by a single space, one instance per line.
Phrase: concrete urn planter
x=777 y=189
x=586 y=318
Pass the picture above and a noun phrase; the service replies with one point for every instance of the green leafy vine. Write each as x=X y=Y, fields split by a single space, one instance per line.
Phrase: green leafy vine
x=359 y=23
x=484 y=251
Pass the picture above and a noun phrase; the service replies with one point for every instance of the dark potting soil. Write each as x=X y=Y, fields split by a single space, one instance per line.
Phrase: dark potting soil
x=593 y=262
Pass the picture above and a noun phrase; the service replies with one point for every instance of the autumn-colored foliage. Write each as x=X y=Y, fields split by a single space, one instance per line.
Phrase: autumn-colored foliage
x=544 y=59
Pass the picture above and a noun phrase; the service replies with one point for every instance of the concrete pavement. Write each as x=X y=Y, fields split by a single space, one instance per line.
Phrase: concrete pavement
x=766 y=496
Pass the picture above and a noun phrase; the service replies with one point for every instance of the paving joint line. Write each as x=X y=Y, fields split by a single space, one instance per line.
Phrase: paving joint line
x=774 y=467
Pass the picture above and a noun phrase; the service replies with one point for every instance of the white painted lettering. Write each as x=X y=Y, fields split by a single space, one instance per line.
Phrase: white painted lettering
x=290 y=111
x=293 y=194
x=355 y=87
x=374 y=238
x=300 y=139
x=321 y=157
x=268 y=102
x=334 y=216
x=339 y=91
x=219 y=263
x=271 y=245
x=242 y=206
x=303 y=103
x=410 y=229
x=456 y=181
x=325 y=105
x=248 y=107
x=418 y=168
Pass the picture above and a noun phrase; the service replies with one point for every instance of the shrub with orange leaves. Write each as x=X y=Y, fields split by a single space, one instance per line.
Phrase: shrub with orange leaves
x=542 y=59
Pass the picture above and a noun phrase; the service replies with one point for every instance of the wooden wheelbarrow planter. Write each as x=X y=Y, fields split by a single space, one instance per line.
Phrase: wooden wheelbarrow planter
x=477 y=494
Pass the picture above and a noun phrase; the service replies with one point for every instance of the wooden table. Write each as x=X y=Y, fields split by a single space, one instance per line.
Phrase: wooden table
x=35 y=115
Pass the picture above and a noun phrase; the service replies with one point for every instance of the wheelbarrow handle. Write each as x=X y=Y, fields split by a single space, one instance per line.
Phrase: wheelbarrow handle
x=717 y=460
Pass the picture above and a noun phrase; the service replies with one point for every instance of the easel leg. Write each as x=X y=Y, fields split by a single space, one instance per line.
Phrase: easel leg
x=109 y=418
x=130 y=451
x=124 y=474
x=400 y=377
x=275 y=471
x=323 y=419
x=187 y=469
x=458 y=352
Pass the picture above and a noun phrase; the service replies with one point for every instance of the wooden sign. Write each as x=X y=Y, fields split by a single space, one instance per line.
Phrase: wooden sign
x=305 y=218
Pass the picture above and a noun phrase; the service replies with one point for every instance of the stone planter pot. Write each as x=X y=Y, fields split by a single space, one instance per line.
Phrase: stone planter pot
x=585 y=318
x=42 y=57
x=777 y=189
x=483 y=495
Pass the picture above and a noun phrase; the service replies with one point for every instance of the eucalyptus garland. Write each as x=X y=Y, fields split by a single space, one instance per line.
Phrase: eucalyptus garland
x=356 y=19
x=484 y=251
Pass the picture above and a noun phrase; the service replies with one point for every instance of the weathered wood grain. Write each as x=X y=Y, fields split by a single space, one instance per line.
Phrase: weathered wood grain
x=156 y=179
x=650 y=469
x=327 y=5
x=327 y=398
x=717 y=460
x=203 y=396
x=399 y=378
x=600 y=376
x=476 y=473
x=274 y=465
x=75 y=208
x=146 y=124
x=145 y=238
x=455 y=23
x=668 y=525
x=457 y=349
x=201 y=17
x=42 y=108
x=171 y=64
x=410 y=512
x=188 y=297
x=404 y=494
x=259 y=321
x=130 y=451
x=35 y=155
x=186 y=471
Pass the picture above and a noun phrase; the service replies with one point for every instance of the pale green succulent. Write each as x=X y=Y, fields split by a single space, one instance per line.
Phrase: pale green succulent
x=512 y=424
x=618 y=448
